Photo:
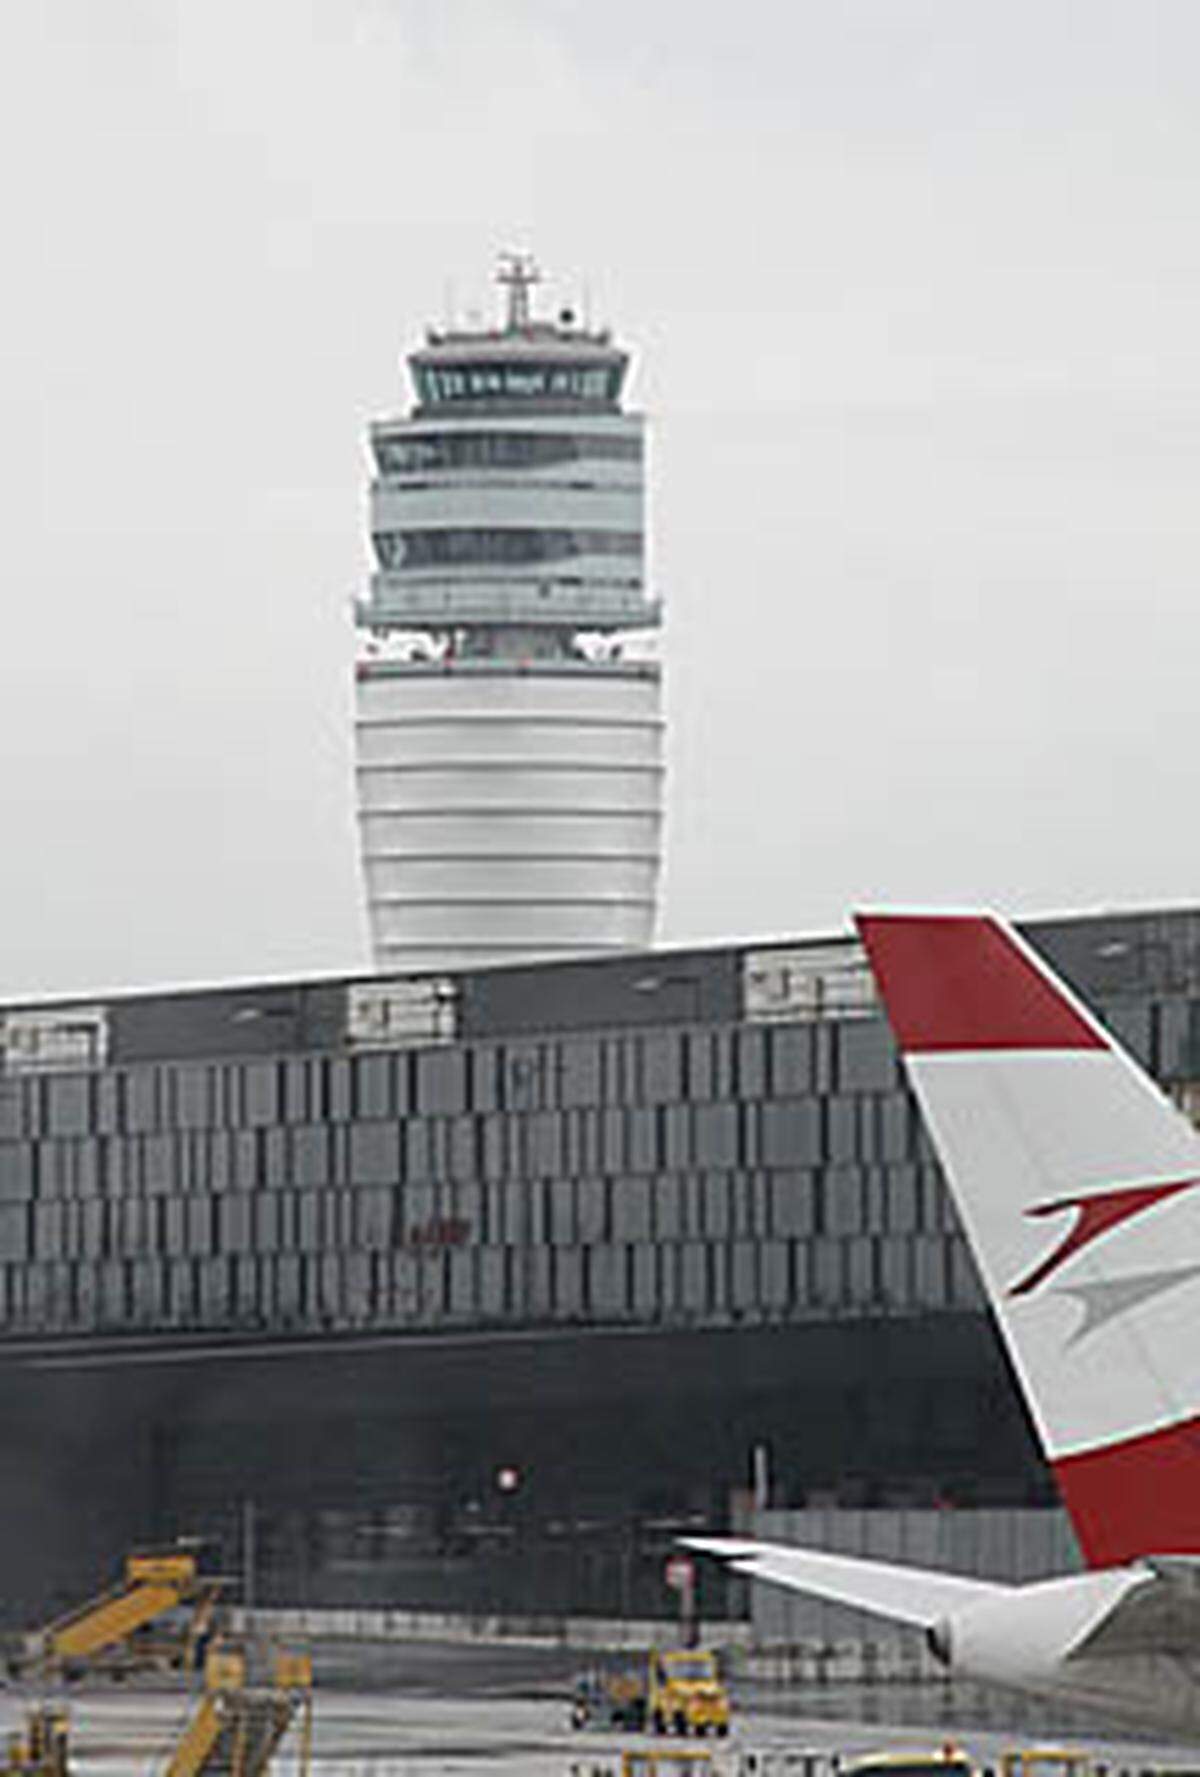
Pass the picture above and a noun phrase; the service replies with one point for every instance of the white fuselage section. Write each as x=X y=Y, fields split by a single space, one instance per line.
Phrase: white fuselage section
x=1030 y=1637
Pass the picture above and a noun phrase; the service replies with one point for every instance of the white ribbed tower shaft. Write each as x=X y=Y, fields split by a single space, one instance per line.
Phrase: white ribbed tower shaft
x=509 y=726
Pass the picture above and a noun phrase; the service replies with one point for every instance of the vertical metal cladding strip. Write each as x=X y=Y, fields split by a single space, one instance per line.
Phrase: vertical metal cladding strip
x=1079 y=1185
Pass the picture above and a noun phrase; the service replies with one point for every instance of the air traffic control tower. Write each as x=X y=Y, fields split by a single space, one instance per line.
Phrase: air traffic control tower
x=508 y=714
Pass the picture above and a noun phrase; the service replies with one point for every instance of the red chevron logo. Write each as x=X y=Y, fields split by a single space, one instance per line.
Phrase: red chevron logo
x=1094 y=1216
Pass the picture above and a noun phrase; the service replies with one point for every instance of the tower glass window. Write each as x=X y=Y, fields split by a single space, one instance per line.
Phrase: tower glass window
x=523 y=380
x=501 y=546
x=500 y=450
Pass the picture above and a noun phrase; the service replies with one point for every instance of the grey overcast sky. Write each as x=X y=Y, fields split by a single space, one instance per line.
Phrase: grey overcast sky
x=914 y=288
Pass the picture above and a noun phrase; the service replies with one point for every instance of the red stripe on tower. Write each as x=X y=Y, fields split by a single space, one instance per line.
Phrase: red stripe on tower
x=1139 y=1497
x=958 y=981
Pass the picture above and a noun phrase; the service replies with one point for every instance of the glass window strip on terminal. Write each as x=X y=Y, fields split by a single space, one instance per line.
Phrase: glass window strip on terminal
x=500 y=450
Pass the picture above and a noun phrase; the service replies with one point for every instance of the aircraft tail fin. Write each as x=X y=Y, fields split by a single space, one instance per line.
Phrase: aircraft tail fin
x=1079 y=1186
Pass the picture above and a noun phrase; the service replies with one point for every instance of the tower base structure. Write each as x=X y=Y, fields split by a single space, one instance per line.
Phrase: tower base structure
x=508 y=812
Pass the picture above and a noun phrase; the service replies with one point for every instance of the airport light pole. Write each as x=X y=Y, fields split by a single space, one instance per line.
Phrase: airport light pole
x=249 y=1554
x=680 y=1575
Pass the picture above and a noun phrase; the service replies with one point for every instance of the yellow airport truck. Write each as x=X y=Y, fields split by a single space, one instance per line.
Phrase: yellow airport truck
x=678 y=1691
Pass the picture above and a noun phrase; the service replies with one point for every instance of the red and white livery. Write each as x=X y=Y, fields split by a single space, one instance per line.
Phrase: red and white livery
x=1079 y=1186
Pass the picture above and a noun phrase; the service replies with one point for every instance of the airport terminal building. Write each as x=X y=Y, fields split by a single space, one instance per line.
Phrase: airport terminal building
x=471 y=1290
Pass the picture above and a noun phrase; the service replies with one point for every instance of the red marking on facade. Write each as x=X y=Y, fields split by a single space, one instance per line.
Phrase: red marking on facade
x=960 y=982
x=1138 y=1497
x=439 y=1232
x=1095 y=1215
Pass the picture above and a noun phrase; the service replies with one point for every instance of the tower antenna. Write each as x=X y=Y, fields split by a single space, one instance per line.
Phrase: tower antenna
x=518 y=274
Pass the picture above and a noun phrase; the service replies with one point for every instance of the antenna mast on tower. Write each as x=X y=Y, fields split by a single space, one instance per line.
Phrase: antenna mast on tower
x=518 y=274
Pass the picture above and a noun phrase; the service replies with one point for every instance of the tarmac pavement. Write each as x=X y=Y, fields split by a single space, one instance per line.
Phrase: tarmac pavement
x=489 y=1712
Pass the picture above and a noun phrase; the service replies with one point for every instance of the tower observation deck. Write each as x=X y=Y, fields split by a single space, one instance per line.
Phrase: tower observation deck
x=508 y=710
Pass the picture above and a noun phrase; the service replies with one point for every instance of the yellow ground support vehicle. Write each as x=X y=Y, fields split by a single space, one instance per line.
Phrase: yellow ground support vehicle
x=1046 y=1761
x=159 y=1618
x=1021 y=1761
x=947 y=1760
x=234 y=1731
x=652 y=1761
x=684 y=1693
x=609 y=1700
x=237 y=1727
x=667 y=1762
x=41 y=1749
x=679 y=1691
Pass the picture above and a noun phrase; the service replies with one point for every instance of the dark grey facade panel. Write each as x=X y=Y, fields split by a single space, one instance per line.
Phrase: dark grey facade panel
x=659 y=1173
x=1139 y=1027
x=261 y=1020
x=699 y=987
x=12 y=1110
x=867 y=1060
x=1115 y=956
